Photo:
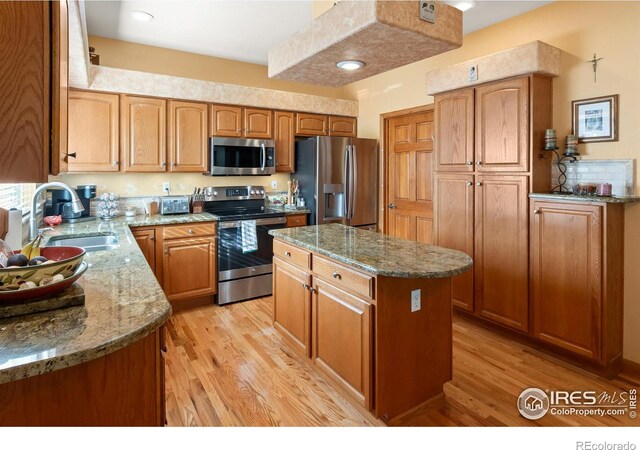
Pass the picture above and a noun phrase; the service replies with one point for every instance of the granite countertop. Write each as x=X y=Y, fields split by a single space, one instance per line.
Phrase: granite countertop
x=377 y=253
x=582 y=198
x=123 y=303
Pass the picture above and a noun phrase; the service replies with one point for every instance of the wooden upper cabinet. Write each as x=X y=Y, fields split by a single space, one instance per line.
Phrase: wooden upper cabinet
x=143 y=132
x=59 y=86
x=258 y=123
x=342 y=126
x=225 y=121
x=502 y=126
x=284 y=135
x=25 y=132
x=567 y=250
x=454 y=127
x=93 y=132
x=312 y=124
x=501 y=257
x=453 y=228
x=187 y=136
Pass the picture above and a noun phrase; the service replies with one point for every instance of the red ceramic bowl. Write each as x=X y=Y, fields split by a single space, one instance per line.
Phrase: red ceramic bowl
x=65 y=262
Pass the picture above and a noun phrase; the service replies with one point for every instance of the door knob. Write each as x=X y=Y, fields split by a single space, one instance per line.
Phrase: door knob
x=392 y=206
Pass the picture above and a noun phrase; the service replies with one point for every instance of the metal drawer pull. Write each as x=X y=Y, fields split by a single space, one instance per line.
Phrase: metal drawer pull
x=469 y=163
x=305 y=285
x=479 y=163
x=190 y=231
x=536 y=211
x=337 y=276
x=469 y=183
x=287 y=253
x=479 y=183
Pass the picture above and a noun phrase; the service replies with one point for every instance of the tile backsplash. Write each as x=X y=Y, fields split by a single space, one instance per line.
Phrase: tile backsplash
x=618 y=172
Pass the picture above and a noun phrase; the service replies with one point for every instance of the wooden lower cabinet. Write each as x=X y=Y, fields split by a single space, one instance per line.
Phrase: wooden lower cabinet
x=146 y=240
x=123 y=388
x=342 y=330
x=292 y=307
x=577 y=264
x=296 y=220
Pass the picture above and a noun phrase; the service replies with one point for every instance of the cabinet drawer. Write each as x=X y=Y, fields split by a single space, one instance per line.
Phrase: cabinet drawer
x=299 y=220
x=343 y=277
x=292 y=255
x=187 y=231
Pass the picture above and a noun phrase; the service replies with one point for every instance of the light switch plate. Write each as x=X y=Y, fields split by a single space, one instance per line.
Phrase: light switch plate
x=415 y=300
x=274 y=184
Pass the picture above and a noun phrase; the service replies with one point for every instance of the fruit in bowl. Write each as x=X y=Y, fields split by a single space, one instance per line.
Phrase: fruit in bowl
x=39 y=265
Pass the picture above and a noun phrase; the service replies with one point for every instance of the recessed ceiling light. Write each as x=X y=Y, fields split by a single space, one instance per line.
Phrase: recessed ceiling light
x=350 y=65
x=464 y=6
x=141 y=16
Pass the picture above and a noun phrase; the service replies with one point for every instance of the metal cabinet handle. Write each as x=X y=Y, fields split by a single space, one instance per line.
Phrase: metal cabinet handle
x=190 y=231
x=312 y=290
x=337 y=276
x=72 y=155
x=115 y=163
x=287 y=253
x=392 y=206
x=469 y=163
x=536 y=211
x=479 y=163
x=305 y=285
x=469 y=183
x=479 y=183
x=174 y=164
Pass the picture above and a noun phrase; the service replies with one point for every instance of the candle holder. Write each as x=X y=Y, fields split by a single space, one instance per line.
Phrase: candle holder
x=562 y=168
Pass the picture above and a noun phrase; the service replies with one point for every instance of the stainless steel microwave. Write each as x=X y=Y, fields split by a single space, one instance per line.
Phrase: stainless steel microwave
x=232 y=156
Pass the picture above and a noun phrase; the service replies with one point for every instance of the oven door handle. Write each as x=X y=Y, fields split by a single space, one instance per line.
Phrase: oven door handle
x=268 y=221
x=263 y=157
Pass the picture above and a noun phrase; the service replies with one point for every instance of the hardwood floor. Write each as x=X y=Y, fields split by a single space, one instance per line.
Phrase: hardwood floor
x=227 y=366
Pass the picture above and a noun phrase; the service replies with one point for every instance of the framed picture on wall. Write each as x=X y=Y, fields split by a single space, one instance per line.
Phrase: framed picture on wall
x=595 y=119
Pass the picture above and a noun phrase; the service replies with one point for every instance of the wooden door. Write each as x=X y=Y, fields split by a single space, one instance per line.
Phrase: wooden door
x=143 y=134
x=292 y=305
x=342 y=126
x=311 y=124
x=453 y=228
x=410 y=185
x=189 y=267
x=225 y=121
x=187 y=136
x=146 y=239
x=25 y=128
x=501 y=249
x=342 y=340
x=284 y=135
x=454 y=130
x=566 y=246
x=258 y=123
x=502 y=126
x=94 y=132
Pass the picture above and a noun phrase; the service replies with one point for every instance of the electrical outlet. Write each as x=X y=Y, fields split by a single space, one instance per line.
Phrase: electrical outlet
x=274 y=184
x=166 y=187
x=473 y=73
x=415 y=300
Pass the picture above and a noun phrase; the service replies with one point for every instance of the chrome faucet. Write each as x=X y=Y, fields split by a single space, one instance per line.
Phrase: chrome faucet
x=76 y=204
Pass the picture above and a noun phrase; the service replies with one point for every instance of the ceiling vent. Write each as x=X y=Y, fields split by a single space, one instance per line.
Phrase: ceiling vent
x=378 y=35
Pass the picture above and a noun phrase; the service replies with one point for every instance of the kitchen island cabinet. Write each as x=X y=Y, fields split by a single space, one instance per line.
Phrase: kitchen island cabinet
x=374 y=310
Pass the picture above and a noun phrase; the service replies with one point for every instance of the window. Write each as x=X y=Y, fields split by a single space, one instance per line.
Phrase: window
x=17 y=195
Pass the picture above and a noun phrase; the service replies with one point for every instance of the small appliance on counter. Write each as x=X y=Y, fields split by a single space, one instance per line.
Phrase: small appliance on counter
x=174 y=204
x=60 y=204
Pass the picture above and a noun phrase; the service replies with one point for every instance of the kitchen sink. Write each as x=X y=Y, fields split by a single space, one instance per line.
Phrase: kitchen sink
x=90 y=242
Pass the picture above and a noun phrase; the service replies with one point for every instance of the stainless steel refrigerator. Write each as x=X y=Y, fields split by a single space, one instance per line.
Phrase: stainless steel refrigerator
x=338 y=179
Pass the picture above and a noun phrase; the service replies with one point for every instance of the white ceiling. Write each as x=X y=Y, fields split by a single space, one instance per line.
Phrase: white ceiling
x=241 y=30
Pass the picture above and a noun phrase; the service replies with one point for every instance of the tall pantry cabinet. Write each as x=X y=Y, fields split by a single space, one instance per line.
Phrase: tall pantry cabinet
x=488 y=144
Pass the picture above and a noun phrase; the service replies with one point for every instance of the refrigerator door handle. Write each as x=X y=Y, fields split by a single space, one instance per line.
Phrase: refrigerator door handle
x=353 y=180
x=347 y=181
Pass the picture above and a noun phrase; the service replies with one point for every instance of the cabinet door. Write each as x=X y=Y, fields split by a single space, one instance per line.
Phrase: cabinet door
x=502 y=126
x=187 y=136
x=311 y=124
x=59 y=86
x=296 y=220
x=566 y=245
x=93 y=132
x=454 y=131
x=257 y=123
x=285 y=141
x=143 y=134
x=189 y=267
x=146 y=239
x=342 y=126
x=501 y=250
x=225 y=121
x=454 y=228
x=292 y=305
x=341 y=339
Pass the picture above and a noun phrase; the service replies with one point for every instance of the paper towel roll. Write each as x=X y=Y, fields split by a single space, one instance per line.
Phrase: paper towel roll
x=14 y=236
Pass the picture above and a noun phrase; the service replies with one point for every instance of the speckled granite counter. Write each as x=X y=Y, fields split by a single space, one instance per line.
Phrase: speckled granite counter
x=123 y=303
x=583 y=198
x=377 y=253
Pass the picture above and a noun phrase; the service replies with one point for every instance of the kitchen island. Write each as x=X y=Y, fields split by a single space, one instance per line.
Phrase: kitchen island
x=97 y=364
x=369 y=312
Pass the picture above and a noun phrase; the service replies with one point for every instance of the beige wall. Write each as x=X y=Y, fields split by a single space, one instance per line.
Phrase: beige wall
x=146 y=58
x=579 y=29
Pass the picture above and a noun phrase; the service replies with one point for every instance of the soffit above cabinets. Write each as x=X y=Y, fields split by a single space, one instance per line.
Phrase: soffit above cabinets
x=382 y=34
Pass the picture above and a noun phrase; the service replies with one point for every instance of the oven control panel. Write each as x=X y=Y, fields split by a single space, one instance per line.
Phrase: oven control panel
x=213 y=193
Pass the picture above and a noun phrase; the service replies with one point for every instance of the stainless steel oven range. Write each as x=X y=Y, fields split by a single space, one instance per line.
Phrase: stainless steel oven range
x=245 y=248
